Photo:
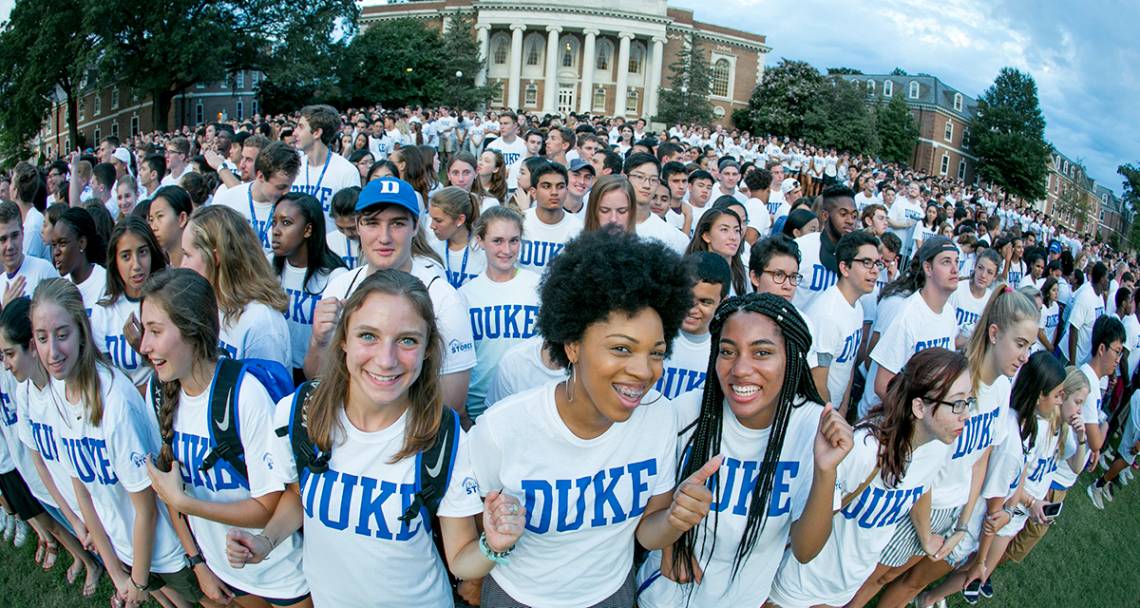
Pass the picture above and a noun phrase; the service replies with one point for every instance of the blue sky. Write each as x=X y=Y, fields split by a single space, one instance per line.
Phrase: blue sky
x=1083 y=55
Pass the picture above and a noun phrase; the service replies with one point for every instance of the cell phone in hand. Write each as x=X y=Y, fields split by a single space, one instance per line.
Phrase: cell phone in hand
x=1052 y=509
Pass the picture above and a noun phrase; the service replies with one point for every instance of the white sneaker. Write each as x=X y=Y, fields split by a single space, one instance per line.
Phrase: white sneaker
x=3 y=520
x=1106 y=458
x=1125 y=476
x=21 y=536
x=1096 y=495
x=1107 y=492
x=10 y=528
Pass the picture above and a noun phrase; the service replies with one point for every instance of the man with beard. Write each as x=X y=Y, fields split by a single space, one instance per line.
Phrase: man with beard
x=837 y=217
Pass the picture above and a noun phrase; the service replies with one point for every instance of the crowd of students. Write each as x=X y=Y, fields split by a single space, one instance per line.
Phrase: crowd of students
x=421 y=357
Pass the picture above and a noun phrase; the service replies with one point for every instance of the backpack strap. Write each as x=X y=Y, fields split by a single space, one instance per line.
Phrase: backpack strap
x=863 y=486
x=224 y=432
x=434 y=467
x=306 y=454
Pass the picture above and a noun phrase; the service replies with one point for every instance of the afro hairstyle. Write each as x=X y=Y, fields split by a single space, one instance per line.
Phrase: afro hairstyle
x=604 y=271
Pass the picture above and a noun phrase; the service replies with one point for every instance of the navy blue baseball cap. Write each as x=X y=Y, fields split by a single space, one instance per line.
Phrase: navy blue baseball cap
x=389 y=191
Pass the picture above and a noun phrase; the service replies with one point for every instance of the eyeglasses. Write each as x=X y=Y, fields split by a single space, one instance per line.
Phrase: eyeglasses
x=957 y=407
x=870 y=263
x=652 y=180
x=780 y=277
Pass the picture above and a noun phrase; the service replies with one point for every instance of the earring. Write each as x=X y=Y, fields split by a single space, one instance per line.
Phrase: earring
x=570 y=384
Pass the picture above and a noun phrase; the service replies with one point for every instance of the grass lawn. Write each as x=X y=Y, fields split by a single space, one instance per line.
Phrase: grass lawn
x=1070 y=567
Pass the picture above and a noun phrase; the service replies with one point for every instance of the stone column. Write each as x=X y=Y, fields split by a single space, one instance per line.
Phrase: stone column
x=550 y=88
x=586 y=93
x=653 y=84
x=622 y=73
x=515 y=77
x=484 y=32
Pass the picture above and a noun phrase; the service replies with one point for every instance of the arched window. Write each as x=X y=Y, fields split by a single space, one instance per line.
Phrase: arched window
x=957 y=102
x=603 y=52
x=720 y=70
x=913 y=93
x=599 y=100
x=569 y=51
x=870 y=87
x=888 y=88
x=530 y=95
x=533 y=50
x=500 y=46
x=636 y=57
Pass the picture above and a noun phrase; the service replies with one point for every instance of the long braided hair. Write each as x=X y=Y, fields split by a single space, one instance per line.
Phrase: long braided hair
x=705 y=440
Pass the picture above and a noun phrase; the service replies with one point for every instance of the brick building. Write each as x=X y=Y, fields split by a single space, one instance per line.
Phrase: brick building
x=943 y=115
x=606 y=57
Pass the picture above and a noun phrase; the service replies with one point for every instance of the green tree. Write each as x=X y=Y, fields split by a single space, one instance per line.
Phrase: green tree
x=841 y=119
x=899 y=72
x=165 y=47
x=687 y=98
x=1008 y=136
x=789 y=91
x=843 y=71
x=463 y=63
x=1131 y=199
x=394 y=63
x=897 y=131
x=41 y=52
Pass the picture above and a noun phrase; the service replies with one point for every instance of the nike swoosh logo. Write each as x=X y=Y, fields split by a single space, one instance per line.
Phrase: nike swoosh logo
x=224 y=423
x=433 y=471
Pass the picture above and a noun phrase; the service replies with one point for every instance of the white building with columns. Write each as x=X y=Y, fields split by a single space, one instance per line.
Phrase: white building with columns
x=606 y=57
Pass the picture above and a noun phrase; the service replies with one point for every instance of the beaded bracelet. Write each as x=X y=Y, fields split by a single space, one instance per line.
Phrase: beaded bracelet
x=498 y=557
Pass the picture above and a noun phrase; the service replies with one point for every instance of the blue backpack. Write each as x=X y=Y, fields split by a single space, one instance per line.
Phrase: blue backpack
x=224 y=398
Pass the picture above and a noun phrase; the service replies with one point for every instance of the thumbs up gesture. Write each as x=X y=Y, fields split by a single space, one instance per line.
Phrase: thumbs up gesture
x=833 y=440
x=692 y=499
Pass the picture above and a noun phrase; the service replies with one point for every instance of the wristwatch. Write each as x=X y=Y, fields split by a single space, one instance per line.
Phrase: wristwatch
x=145 y=587
x=193 y=560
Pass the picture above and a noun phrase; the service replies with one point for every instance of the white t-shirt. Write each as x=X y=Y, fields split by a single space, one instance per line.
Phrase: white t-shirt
x=280 y=576
x=302 y=303
x=519 y=370
x=39 y=432
x=260 y=333
x=107 y=330
x=543 y=242
x=1087 y=308
x=1042 y=461
x=325 y=180
x=502 y=315
x=967 y=309
x=1016 y=272
x=583 y=497
x=110 y=460
x=838 y=332
x=258 y=214
x=1131 y=342
x=817 y=277
x=513 y=153
x=1064 y=477
x=656 y=228
x=351 y=517
x=348 y=249
x=1050 y=317
x=860 y=532
x=93 y=288
x=450 y=309
x=33 y=270
x=34 y=244
x=686 y=366
x=906 y=212
x=915 y=328
x=172 y=180
x=863 y=200
x=460 y=267
x=744 y=450
x=759 y=218
x=12 y=419
x=983 y=429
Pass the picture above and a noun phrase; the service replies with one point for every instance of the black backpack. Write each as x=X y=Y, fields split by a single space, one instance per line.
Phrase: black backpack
x=433 y=466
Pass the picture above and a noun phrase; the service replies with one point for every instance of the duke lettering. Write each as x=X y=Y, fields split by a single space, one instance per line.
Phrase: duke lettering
x=191 y=451
x=676 y=381
x=502 y=321
x=965 y=317
x=89 y=458
x=740 y=479
x=121 y=353
x=329 y=498
x=7 y=412
x=943 y=342
x=977 y=434
x=821 y=278
x=538 y=253
x=878 y=507
x=322 y=194
x=609 y=496
x=301 y=306
x=44 y=437
x=850 y=346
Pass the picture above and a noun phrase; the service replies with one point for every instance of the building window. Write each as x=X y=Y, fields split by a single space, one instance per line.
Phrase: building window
x=569 y=52
x=961 y=168
x=945 y=166
x=965 y=138
x=97 y=105
x=240 y=110
x=115 y=98
x=631 y=101
x=503 y=93
x=949 y=134
x=241 y=80
x=913 y=93
x=253 y=77
x=888 y=88
x=957 y=102
x=870 y=88
x=253 y=105
x=199 y=113
x=98 y=135
x=134 y=125
x=636 y=57
x=531 y=95
x=533 y=50
x=135 y=96
x=604 y=51
x=200 y=85
x=228 y=82
x=599 y=100
x=82 y=110
x=115 y=129
x=720 y=70
x=499 y=48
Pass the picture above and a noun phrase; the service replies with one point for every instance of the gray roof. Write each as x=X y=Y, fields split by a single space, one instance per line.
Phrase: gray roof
x=932 y=92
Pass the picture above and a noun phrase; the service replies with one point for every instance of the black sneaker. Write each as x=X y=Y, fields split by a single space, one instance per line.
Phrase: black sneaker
x=972 y=592
x=987 y=590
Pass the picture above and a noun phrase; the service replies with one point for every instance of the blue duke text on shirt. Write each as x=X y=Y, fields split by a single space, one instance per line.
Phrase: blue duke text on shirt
x=88 y=457
x=539 y=253
x=879 y=507
x=558 y=498
x=502 y=321
x=328 y=498
x=301 y=306
x=676 y=381
x=122 y=355
x=191 y=451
